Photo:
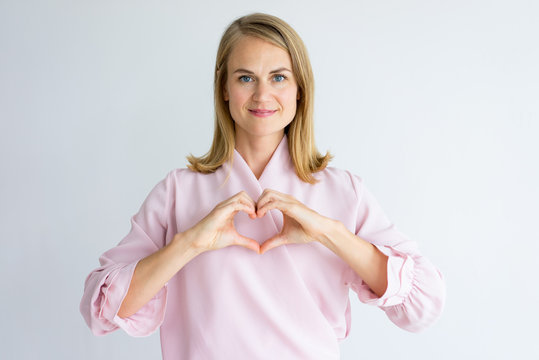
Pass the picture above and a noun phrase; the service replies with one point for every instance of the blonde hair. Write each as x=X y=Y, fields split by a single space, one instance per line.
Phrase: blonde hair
x=300 y=132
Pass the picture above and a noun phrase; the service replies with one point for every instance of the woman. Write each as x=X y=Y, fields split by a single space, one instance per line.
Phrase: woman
x=307 y=233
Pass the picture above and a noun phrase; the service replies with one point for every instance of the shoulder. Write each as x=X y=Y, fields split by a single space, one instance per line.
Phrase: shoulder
x=178 y=173
x=186 y=174
x=338 y=175
x=340 y=179
x=185 y=177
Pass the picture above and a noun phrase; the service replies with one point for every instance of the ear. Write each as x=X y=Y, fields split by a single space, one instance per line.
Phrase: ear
x=297 y=96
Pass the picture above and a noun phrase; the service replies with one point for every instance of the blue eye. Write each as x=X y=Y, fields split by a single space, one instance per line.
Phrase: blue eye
x=245 y=78
x=279 y=78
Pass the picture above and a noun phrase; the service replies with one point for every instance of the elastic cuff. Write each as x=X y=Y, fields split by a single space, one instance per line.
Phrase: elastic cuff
x=400 y=276
x=115 y=291
x=148 y=318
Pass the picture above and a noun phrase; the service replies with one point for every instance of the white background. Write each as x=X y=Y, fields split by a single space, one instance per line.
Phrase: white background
x=433 y=103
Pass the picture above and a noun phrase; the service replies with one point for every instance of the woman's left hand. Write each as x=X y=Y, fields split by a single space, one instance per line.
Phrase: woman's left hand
x=301 y=224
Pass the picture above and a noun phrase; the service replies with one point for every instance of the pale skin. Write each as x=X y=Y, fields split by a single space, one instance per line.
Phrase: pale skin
x=256 y=139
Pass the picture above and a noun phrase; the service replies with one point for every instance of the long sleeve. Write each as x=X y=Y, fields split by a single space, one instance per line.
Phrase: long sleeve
x=106 y=286
x=415 y=294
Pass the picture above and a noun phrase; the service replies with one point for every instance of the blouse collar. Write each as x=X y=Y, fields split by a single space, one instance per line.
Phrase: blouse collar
x=279 y=164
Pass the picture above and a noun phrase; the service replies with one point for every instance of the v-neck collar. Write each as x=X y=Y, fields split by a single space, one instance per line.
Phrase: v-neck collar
x=279 y=162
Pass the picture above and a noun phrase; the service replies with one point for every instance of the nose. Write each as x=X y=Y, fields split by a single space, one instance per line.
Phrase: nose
x=262 y=92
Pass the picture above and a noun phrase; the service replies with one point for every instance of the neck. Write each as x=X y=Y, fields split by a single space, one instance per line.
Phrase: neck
x=257 y=151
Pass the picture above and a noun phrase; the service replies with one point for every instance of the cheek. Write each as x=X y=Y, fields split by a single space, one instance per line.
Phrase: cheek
x=237 y=95
x=290 y=97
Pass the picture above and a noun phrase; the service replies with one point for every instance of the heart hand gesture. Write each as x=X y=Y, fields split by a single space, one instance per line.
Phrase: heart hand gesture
x=301 y=224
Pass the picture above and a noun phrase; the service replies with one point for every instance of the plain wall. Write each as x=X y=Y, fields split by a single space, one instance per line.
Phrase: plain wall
x=434 y=104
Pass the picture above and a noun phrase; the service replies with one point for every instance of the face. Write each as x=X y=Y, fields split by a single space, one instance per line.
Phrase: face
x=260 y=89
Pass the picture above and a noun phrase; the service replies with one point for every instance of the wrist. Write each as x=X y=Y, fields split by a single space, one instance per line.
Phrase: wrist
x=332 y=232
x=184 y=243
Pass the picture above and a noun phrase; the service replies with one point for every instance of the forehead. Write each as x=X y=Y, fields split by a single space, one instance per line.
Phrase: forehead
x=256 y=53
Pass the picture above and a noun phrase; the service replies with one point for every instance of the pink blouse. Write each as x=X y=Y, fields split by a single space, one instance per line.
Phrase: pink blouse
x=289 y=303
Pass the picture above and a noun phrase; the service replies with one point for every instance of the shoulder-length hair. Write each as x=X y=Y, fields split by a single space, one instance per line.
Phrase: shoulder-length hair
x=300 y=132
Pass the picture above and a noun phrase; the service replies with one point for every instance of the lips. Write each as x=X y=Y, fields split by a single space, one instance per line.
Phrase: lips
x=262 y=112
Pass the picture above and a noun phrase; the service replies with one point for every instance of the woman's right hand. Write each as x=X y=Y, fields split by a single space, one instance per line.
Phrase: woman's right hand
x=216 y=230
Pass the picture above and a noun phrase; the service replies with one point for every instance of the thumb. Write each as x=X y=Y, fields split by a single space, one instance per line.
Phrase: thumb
x=271 y=243
x=247 y=243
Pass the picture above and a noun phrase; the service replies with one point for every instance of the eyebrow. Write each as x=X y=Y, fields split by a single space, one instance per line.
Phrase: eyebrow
x=281 y=69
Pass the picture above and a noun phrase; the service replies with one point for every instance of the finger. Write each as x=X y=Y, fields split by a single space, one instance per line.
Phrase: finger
x=240 y=202
x=278 y=204
x=227 y=213
x=283 y=201
x=252 y=205
x=263 y=209
x=248 y=207
x=267 y=195
x=243 y=197
x=247 y=197
x=270 y=194
x=232 y=199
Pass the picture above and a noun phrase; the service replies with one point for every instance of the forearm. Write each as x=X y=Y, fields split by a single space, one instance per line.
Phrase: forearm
x=363 y=257
x=154 y=271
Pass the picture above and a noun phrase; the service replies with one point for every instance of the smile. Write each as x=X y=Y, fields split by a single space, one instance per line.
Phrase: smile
x=262 y=113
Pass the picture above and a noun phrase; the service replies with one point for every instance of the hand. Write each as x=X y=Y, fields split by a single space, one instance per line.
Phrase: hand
x=217 y=230
x=301 y=224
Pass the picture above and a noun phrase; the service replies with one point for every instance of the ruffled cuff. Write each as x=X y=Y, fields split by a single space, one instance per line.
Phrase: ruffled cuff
x=148 y=319
x=424 y=305
x=400 y=277
x=415 y=295
x=112 y=292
